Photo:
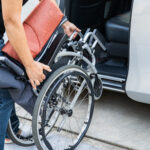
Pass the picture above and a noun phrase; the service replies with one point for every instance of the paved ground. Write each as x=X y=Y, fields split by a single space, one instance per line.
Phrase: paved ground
x=87 y=144
x=118 y=124
x=119 y=120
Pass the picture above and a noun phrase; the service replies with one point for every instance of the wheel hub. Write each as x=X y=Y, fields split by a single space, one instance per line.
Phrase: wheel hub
x=64 y=111
x=70 y=113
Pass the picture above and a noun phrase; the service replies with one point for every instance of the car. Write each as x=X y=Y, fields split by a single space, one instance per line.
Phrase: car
x=124 y=28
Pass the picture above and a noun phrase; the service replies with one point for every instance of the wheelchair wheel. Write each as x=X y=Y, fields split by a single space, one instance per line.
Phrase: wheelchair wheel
x=20 y=119
x=63 y=110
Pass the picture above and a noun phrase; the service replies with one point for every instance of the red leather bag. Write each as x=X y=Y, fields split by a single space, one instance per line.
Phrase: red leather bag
x=39 y=27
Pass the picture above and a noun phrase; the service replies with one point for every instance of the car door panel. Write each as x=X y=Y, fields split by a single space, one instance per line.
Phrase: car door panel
x=138 y=81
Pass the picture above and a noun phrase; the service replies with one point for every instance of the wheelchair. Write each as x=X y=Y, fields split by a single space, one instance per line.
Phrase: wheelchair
x=65 y=101
x=64 y=108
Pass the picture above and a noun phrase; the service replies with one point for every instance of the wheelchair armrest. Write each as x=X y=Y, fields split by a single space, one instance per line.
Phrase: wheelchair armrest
x=11 y=65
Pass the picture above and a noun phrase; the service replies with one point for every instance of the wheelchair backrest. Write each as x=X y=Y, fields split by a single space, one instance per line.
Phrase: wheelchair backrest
x=39 y=27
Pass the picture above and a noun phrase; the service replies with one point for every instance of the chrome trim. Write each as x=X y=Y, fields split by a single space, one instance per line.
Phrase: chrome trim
x=96 y=39
x=113 y=89
x=111 y=78
x=118 y=85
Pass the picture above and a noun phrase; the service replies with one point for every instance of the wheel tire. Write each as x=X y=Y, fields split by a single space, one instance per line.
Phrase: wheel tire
x=16 y=139
x=48 y=83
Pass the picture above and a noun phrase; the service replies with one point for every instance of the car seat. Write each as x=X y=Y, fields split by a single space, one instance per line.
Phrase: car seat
x=117 y=35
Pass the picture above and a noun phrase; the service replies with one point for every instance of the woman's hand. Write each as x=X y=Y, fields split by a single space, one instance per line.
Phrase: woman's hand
x=35 y=73
x=69 y=28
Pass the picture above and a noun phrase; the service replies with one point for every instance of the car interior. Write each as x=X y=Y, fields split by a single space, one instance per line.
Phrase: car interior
x=112 y=19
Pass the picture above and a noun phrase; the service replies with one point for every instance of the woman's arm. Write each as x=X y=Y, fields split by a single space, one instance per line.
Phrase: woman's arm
x=12 y=20
x=68 y=27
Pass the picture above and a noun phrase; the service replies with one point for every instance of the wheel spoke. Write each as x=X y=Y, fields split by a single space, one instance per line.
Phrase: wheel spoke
x=69 y=92
x=77 y=94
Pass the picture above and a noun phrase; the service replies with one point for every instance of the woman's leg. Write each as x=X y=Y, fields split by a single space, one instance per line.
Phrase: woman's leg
x=14 y=118
x=6 y=106
x=14 y=121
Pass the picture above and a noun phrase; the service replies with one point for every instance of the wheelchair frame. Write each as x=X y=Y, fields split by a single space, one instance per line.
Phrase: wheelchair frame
x=87 y=43
x=85 y=46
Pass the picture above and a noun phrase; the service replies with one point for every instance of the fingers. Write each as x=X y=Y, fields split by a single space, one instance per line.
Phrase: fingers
x=78 y=30
x=75 y=28
x=37 y=83
x=75 y=35
x=47 y=68
x=43 y=77
x=33 y=84
x=35 y=73
x=69 y=30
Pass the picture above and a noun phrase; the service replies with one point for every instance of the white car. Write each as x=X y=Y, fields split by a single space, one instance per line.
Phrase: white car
x=124 y=25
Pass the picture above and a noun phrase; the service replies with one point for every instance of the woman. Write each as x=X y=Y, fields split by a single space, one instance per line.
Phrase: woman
x=10 y=20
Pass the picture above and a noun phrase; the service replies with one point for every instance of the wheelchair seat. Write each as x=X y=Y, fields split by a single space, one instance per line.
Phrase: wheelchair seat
x=117 y=34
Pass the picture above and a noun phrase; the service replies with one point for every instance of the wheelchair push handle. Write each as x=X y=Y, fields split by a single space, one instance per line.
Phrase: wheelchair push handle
x=11 y=65
x=73 y=34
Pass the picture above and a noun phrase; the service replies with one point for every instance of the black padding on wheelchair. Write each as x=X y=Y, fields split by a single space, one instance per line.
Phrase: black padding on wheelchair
x=117 y=35
x=87 y=13
x=117 y=28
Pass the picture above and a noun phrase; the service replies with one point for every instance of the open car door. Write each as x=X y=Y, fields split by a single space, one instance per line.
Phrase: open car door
x=138 y=81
